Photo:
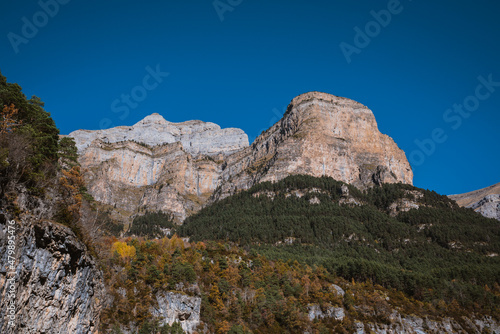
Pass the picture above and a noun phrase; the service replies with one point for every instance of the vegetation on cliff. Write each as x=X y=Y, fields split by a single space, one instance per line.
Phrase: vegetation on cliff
x=438 y=252
x=244 y=291
x=151 y=225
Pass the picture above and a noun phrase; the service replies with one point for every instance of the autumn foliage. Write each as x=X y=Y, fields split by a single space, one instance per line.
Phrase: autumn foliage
x=9 y=121
x=244 y=292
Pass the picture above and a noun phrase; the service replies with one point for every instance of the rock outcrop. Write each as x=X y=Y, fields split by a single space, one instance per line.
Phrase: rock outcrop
x=489 y=206
x=407 y=324
x=58 y=287
x=178 y=307
x=156 y=165
x=180 y=167
x=485 y=201
x=320 y=135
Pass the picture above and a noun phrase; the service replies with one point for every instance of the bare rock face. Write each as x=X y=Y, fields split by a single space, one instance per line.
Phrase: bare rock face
x=178 y=307
x=489 y=206
x=320 y=135
x=406 y=324
x=156 y=165
x=196 y=137
x=485 y=201
x=135 y=178
x=58 y=288
x=180 y=167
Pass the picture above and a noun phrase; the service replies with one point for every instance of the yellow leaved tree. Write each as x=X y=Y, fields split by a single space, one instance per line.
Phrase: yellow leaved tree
x=125 y=251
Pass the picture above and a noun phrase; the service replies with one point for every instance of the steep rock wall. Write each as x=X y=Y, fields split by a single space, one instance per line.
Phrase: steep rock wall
x=58 y=288
x=320 y=134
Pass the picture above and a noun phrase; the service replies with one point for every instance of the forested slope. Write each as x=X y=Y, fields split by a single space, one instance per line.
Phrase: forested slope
x=399 y=236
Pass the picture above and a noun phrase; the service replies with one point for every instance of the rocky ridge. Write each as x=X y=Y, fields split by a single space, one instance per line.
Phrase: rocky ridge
x=180 y=167
x=407 y=324
x=196 y=137
x=485 y=201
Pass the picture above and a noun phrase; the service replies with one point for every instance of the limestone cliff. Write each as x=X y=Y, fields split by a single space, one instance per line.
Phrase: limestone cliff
x=196 y=137
x=178 y=307
x=486 y=201
x=178 y=167
x=155 y=164
x=135 y=178
x=58 y=287
x=409 y=324
x=320 y=134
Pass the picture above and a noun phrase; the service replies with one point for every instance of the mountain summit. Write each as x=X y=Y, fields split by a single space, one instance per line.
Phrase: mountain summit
x=321 y=135
x=196 y=136
x=193 y=162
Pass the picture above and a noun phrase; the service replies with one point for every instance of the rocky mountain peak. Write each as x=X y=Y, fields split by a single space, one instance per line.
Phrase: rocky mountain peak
x=196 y=137
x=154 y=118
x=330 y=98
x=321 y=135
x=316 y=114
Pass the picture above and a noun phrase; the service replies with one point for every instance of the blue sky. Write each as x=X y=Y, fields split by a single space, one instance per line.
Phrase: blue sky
x=238 y=63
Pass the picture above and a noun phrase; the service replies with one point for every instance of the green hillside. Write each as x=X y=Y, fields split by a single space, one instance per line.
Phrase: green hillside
x=438 y=251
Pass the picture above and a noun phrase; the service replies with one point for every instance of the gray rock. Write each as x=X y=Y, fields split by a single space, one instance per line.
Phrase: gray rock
x=178 y=307
x=485 y=201
x=196 y=137
x=59 y=288
x=315 y=312
x=489 y=206
x=338 y=290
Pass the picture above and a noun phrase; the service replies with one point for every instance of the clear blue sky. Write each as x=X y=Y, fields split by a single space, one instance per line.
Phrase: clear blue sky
x=243 y=70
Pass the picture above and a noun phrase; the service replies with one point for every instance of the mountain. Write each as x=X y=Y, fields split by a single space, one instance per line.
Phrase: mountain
x=180 y=167
x=320 y=135
x=164 y=166
x=196 y=137
x=486 y=201
x=304 y=253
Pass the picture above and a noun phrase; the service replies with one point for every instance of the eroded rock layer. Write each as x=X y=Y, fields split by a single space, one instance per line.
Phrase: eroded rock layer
x=485 y=201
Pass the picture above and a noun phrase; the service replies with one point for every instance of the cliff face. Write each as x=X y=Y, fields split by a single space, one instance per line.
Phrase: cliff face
x=177 y=167
x=320 y=134
x=409 y=324
x=196 y=137
x=156 y=165
x=178 y=307
x=58 y=287
x=485 y=201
